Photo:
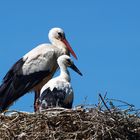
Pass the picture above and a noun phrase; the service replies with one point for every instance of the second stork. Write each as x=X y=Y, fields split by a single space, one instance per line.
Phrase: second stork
x=58 y=91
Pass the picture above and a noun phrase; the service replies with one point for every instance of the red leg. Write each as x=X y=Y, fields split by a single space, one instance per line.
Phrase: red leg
x=36 y=101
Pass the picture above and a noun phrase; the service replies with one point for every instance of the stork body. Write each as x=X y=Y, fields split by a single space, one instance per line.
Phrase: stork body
x=34 y=69
x=58 y=91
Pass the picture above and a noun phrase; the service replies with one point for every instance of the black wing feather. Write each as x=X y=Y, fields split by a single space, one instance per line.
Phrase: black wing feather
x=15 y=84
x=15 y=70
x=53 y=98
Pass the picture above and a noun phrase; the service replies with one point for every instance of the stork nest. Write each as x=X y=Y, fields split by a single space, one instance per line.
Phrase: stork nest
x=100 y=122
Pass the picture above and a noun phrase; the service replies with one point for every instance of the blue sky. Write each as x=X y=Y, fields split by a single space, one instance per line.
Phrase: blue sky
x=105 y=35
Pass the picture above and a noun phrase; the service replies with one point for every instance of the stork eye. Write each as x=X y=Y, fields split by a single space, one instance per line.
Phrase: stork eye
x=68 y=62
x=60 y=34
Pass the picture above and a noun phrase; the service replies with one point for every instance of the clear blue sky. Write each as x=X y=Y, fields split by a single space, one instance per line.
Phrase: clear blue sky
x=104 y=34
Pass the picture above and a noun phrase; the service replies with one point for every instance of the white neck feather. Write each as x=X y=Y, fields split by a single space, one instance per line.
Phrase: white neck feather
x=64 y=73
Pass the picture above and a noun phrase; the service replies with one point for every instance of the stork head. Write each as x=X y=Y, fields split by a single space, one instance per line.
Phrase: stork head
x=58 y=35
x=65 y=61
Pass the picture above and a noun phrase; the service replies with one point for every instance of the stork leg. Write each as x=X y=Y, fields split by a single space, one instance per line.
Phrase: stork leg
x=36 y=101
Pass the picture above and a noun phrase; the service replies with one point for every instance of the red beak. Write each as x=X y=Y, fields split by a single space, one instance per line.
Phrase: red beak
x=69 y=47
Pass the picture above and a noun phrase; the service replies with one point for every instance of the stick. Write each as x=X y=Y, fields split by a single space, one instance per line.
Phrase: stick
x=104 y=102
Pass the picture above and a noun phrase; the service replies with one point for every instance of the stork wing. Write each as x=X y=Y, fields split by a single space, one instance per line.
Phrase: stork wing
x=54 y=98
x=23 y=76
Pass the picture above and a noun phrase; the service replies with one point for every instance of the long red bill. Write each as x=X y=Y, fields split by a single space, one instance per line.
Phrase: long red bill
x=69 y=47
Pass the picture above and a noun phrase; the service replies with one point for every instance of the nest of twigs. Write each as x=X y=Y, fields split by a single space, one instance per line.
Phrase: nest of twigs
x=101 y=122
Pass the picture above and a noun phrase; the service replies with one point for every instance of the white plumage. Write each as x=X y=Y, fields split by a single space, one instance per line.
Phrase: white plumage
x=58 y=91
x=34 y=69
x=39 y=58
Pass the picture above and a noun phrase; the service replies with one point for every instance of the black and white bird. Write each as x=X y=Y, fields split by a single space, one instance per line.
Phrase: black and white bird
x=34 y=69
x=58 y=91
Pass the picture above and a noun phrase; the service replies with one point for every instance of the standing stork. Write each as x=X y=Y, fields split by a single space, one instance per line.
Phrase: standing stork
x=34 y=69
x=58 y=91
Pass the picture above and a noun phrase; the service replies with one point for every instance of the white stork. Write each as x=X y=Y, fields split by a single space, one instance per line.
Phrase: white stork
x=34 y=69
x=58 y=91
